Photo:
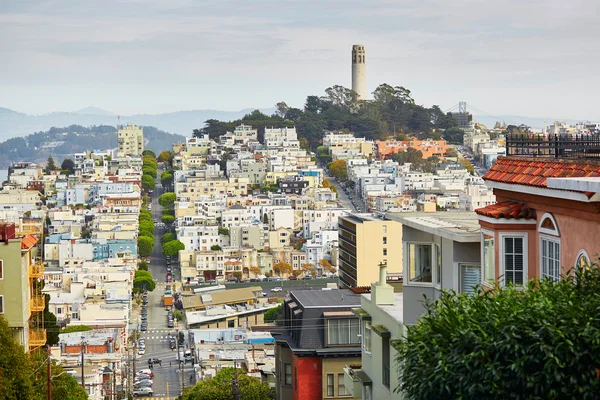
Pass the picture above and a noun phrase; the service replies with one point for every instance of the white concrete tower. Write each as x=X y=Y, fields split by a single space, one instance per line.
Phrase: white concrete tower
x=359 y=71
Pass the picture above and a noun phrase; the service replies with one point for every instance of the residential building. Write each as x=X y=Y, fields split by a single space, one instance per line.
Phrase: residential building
x=381 y=324
x=545 y=221
x=319 y=338
x=364 y=242
x=21 y=301
x=131 y=141
x=441 y=251
x=477 y=195
x=255 y=235
x=428 y=147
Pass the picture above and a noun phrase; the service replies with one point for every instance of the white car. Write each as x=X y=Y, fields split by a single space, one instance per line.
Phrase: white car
x=145 y=372
x=263 y=294
x=142 y=351
x=277 y=289
x=145 y=391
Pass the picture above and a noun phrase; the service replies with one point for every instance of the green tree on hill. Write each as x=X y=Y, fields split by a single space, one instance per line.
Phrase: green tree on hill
x=68 y=165
x=148 y=182
x=220 y=388
x=172 y=248
x=167 y=199
x=145 y=245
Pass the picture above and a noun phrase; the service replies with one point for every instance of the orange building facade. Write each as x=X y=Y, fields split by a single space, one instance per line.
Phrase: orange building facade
x=545 y=221
x=429 y=148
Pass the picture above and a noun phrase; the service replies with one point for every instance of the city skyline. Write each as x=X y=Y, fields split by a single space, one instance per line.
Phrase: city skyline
x=508 y=58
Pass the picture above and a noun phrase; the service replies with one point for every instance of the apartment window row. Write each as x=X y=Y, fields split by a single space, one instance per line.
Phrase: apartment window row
x=340 y=384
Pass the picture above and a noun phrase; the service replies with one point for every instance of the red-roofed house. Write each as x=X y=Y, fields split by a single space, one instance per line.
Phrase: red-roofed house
x=545 y=220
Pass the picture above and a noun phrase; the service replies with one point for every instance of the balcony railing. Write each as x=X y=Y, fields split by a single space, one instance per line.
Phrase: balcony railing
x=37 y=338
x=37 y=303
x=36 y=270
x=553 y=146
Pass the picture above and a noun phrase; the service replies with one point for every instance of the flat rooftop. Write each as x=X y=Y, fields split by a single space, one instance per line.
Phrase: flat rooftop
x=461 y=226
x=326 y=298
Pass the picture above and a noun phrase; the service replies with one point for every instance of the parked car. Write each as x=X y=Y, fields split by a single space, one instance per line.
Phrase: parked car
x=142 y=351
x=169 y=279
x=293 y=278
x=170 y=324
x=143 y=384
x=232 y=280
x=211 y=281
x=146 y=371
x=277 y=289
x=306 y=278
x=145 y=391
x=263 y=294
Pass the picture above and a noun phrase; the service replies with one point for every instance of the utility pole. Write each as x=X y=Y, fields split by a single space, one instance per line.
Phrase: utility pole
x=114 y=381
x=82 y=364
x=49 y=373
x=235 y=392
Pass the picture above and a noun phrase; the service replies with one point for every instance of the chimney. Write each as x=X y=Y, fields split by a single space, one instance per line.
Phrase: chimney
x=381 y=292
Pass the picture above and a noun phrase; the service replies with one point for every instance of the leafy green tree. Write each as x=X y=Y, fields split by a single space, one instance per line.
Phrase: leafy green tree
x=145 y=245
x=167 y=199
x=451 y=152
x=148 y=153
x=178 y=315
x=507 y=343
x=146 y=225
x=15 y=379
x=265 y=219
x=143 y=284
x=274 y=314
x=148 y=182
x=164 y=156
x=213 y=128
x=168 y=211
x=149 y=171
x=215 y=247
x=68 y=165
x=454 y=135
x=50 y=324
x=148 y=163
x=143 y=266
x=168 y=219
x=50 y=165
x=166 y=178
x=167 y=237
x=172 y=248
x=145 y=215
x=63 y=385
x=224 y=231
x=219 y=387
x=147 y=234
x=76 y=328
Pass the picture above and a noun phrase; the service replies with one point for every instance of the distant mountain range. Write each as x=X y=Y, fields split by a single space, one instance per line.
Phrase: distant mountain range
x=14 y=124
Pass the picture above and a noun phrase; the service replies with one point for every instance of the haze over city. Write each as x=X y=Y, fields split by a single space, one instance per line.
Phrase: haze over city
x=532 y=58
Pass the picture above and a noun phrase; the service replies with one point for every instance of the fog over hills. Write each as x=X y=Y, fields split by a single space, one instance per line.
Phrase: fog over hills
x=14 y=124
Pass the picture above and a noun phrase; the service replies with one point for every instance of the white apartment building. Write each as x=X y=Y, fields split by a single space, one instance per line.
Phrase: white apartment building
x=320 y=246
x=477 y=195
x=199 y=238
x=281 y=137
x=131 y=141
x=236 y=215
x=418 y=180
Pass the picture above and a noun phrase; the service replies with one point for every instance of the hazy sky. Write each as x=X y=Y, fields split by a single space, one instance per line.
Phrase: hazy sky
x=523 y=57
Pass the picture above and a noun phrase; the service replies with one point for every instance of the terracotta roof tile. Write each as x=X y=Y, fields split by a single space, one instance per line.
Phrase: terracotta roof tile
x=28 y=242
x=508 y=210
x=534 y=171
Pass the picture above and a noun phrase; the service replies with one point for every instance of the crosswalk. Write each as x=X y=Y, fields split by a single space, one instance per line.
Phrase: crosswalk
x=159 y=334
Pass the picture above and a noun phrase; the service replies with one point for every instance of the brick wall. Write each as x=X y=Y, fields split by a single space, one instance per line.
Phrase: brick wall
x=306 y=378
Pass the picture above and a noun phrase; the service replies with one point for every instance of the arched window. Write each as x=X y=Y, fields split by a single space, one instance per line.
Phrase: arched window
x=583 y=260
x=549 y=248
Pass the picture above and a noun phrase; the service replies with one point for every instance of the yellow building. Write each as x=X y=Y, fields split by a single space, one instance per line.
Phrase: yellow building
x=365 y=242
x=193 y=189
x=21 y=300
x=131 y=141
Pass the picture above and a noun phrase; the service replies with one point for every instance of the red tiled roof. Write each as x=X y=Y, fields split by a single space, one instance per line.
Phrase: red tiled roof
x=508 y=210
x=534 y=171
x=28 y=242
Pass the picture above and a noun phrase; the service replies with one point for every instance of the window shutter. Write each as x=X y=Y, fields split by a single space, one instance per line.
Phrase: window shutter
x=470 y=276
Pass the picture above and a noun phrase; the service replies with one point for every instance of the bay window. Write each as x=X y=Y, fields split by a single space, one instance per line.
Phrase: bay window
x=489 y=258
x=420 y=262
x=343 y=331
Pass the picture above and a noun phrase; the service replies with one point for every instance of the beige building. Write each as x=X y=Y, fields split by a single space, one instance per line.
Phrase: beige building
x=365 y=242
x=194 y=189
x=131 y=141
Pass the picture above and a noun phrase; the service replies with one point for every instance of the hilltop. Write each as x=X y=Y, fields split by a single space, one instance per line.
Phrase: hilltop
x=61 y=143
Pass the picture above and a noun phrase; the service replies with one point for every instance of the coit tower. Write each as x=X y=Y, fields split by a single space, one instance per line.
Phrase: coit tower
x=359 y=71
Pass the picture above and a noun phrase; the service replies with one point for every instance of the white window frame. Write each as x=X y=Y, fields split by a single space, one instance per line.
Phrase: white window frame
x=367 y=336
x=555 y=240
x=525 y=236
x=483 y=276
x=1 y=304
x=553 y=232
x=434 y=249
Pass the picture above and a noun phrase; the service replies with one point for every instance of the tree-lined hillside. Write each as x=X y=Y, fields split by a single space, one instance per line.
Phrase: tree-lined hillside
x=61 y=143
x=392 y=111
